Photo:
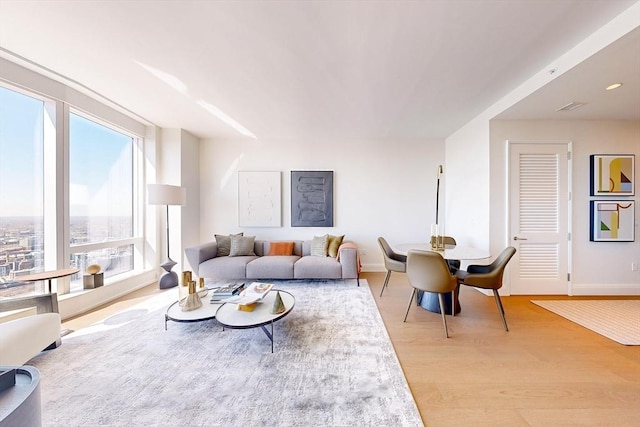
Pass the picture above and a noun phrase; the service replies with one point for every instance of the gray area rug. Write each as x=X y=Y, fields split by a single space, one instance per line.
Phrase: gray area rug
x=333 y=365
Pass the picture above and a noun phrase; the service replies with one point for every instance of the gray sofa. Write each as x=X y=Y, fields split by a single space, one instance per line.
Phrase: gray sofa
x=301 y=265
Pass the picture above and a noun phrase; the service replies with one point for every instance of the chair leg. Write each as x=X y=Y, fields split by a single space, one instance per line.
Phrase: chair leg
x=386 y=280
x=444 y=316
x=500 y=308
x=410 y=301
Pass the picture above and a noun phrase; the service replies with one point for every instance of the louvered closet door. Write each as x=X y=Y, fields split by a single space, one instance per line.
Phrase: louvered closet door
x=539 y=194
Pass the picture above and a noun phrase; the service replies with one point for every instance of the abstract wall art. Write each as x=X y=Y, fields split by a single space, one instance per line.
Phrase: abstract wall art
x=259 y=203
x=312 y=198
x=612 y=221
x=612 y=174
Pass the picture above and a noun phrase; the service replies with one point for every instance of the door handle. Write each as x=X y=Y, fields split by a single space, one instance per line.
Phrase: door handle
x=520 y=238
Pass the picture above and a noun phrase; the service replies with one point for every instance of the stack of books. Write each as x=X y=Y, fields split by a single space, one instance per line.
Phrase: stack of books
x=222 y=293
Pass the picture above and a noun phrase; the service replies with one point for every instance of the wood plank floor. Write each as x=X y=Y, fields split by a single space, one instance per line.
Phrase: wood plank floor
x=545 y=372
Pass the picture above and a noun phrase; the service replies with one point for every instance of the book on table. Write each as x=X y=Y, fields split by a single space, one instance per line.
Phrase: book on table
x=255 y=292
x=226 y=291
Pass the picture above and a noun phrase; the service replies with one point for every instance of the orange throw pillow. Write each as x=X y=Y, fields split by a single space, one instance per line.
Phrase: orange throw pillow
x=280 y=248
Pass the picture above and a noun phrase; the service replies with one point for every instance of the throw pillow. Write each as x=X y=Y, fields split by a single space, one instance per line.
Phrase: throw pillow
x=224 y=243
x=319 y=245
x=242 y=245
x=280 y=248
x=334 y=244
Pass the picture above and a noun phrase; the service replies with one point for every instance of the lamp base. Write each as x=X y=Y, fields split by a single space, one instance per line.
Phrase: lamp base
x=170 y=278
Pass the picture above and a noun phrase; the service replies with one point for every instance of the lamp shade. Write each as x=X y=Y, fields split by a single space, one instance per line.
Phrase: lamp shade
x=162 y=194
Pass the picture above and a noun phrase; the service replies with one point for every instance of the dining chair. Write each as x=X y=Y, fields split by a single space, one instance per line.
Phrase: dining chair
x=393 y=261
x=428 y=272
x=488 y=277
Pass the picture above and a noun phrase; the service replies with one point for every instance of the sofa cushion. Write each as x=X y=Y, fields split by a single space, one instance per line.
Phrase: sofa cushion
x=319 y=245
x=280 y=248
x=224 y=243
x=272 y=267
x=242 y=246
x=334 y=244
x=225 y=267
x=315 y=267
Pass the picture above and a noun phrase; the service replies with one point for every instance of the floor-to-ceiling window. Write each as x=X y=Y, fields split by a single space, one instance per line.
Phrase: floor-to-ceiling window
x=21 y=189
x=101 y=182
x=70 y=193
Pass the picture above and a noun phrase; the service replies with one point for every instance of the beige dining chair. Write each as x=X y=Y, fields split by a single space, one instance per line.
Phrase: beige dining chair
x=393 y=261
x=428 y=272
x=488 y=277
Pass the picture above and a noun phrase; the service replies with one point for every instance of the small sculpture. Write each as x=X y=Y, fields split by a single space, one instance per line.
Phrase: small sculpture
x=93 y=269
x=278 y=305
x=192 y=301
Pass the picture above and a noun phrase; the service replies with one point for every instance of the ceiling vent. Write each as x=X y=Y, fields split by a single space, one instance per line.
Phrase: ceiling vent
x=571 y=106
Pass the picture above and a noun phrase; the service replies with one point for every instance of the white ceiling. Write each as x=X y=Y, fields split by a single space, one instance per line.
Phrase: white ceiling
x=327 y=69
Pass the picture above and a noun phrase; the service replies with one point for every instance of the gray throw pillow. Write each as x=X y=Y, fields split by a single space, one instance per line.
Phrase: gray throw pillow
x=224 y=243
x=242 y=245
x=319 y=245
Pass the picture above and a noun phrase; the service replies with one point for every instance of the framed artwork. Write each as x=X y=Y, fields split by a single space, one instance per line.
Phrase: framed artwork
x=312 y=198
x=259 y=199
x=612 y=221
x=612 y=174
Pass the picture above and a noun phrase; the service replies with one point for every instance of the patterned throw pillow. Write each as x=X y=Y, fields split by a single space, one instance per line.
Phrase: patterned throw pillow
x=319 y=245
x=334 y=244
x=280 y=248
x=224 y=243
x=242 y=245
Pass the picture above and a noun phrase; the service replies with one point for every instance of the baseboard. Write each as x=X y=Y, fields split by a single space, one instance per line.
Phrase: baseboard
x=620 y=289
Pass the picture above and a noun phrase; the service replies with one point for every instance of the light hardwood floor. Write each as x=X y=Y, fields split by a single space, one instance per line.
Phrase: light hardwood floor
x=545 y=372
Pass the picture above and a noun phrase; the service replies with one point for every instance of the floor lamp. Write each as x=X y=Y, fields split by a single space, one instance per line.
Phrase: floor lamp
x=168 y=195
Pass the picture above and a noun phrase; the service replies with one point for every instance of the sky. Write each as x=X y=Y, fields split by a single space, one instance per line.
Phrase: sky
x=98 y=155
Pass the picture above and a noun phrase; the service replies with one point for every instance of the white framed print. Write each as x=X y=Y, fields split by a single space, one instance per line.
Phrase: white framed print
x=259 y=199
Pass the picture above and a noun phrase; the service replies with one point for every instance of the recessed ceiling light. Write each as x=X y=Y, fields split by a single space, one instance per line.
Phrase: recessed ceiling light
x=614 y=86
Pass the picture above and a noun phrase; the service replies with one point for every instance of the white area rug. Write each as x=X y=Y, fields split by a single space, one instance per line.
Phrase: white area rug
x=618 y=320
x=333 y=365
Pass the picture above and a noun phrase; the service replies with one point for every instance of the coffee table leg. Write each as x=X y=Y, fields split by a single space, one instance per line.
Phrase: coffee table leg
x=269 y=334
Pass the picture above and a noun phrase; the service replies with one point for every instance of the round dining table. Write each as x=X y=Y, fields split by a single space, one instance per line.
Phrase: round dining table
x=429 y=301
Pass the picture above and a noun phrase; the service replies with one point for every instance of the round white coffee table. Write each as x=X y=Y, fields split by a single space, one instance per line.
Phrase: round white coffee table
x=230 y=317
x=206 y=312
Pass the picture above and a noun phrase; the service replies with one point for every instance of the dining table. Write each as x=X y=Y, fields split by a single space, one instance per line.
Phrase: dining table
x=429 y=301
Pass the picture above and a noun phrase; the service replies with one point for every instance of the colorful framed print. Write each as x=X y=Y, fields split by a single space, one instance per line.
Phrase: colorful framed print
x=612 y=221
x=612 y=174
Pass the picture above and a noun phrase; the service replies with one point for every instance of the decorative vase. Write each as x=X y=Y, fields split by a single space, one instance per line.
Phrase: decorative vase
x=192 y=301
x=183 y=289
x=202 y=290
x=278 y=305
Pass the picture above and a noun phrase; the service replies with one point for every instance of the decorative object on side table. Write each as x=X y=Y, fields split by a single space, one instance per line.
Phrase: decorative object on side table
x=278 y=306
x=168 y=195
x=94 y=278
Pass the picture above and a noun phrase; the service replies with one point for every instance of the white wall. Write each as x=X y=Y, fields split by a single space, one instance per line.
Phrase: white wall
x=381 y=188
x=601 y=268
x=467 y=193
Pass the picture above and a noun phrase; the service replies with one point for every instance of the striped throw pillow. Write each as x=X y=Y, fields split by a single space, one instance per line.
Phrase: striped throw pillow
x=319 y=245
